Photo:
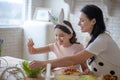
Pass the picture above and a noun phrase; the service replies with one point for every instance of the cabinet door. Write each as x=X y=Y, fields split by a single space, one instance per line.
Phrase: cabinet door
x=13 y=41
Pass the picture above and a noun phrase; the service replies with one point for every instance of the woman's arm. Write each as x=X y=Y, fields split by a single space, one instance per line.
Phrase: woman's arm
x=79 y=58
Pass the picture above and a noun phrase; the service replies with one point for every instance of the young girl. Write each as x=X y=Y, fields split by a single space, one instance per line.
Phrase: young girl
x=65 y=43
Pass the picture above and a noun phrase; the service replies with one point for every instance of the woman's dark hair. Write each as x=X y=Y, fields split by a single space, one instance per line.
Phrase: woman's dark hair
x=66 y=30
x=94 y=12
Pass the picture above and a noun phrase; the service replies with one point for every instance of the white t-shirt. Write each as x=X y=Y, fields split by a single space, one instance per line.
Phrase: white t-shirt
x=107 y=59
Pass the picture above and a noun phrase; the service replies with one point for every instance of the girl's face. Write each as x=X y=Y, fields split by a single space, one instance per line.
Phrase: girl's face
x=62 y=38
x=86 y=24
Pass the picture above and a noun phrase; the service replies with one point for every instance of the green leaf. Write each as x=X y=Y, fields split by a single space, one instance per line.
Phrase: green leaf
x=30 y=71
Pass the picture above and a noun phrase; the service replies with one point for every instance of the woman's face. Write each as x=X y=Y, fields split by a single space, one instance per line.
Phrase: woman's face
x=62 y=38
x=86 y=24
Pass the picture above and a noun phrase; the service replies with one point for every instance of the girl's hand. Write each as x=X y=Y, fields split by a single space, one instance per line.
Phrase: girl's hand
x=30 y=44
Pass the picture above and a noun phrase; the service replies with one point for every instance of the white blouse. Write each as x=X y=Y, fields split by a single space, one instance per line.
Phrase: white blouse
x=107 y=59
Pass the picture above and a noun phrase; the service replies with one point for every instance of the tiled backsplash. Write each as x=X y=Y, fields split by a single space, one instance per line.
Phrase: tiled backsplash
x=13 y=41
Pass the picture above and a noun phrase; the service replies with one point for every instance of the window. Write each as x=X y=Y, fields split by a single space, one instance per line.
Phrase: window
x=12 y=12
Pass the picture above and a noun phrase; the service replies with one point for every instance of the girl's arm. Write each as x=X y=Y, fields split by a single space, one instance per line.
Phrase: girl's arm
x=33 y=50
x=41 y=49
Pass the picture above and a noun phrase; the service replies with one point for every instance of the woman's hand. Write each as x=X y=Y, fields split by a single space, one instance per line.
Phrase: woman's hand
x=30 y=44
x=36 y=64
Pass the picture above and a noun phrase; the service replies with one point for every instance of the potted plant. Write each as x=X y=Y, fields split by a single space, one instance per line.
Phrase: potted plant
x=31 y=73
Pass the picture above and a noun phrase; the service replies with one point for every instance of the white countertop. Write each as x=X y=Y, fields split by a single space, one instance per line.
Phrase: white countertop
x=12 y=61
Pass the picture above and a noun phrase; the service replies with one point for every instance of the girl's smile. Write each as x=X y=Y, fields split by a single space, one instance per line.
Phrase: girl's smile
x=62 y=38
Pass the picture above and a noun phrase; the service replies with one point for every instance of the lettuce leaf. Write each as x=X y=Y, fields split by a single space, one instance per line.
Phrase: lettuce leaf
x=30 y=71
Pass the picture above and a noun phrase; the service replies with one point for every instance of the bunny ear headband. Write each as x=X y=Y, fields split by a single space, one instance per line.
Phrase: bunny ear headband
x=60 y=20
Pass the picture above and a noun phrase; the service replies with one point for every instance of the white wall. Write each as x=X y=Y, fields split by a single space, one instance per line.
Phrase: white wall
x=41 y=33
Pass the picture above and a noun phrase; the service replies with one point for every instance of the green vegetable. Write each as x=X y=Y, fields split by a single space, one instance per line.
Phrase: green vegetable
x=30 y=71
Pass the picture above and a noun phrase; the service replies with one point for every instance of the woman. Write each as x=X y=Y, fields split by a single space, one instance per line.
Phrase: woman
x=65 y=43
x=101 y=53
